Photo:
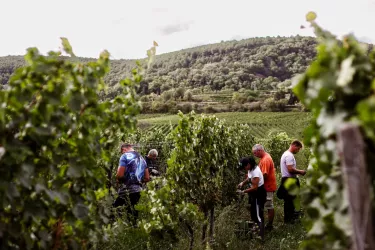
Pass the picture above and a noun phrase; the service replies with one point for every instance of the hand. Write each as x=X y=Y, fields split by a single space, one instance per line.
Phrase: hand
x=303 y=172
x=240 y=192
x=154 y=172
x=240 y=185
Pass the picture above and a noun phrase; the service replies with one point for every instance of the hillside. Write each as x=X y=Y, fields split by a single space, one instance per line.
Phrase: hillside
x=257 y=63
x=213 y=74
x=250 y=63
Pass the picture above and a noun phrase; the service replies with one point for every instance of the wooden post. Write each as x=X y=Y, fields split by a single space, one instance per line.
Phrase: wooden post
x=351 y=149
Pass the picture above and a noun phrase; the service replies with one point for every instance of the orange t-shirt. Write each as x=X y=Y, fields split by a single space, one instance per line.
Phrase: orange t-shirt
x=267 y=167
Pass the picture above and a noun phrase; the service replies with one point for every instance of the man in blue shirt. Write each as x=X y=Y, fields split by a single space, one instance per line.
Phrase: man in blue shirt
x=131 y=173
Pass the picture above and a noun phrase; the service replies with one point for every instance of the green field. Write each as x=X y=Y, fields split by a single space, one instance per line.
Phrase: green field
x=261 y=123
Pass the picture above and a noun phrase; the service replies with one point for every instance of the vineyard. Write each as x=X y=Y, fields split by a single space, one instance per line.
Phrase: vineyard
x=59 y=153
x=260 y=124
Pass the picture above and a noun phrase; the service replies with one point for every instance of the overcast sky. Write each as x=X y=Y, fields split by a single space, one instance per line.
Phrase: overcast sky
x=126 y=28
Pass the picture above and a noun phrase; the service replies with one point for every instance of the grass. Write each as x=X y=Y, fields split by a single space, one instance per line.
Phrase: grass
x=281 y=237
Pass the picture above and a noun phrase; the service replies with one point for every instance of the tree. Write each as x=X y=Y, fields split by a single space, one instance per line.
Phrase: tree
x=188 y=96
x=279 y=95
x=179 y=93
x=168 y=95
x=155 y=86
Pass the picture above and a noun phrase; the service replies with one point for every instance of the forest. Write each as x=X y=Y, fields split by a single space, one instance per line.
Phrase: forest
x=255 y=63
x=246 y=71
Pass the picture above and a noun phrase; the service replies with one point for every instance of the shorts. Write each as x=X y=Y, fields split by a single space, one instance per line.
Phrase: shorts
x=269 y=201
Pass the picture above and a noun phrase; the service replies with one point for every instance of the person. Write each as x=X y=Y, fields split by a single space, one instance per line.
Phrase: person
x=132 y=171
x=267 y=167
x=257 y=191
x=289 y=171
x=150 y=160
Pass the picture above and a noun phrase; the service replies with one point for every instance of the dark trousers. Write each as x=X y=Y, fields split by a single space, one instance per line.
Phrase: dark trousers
x=128 y=200
x=289 y=208
x=257 y=201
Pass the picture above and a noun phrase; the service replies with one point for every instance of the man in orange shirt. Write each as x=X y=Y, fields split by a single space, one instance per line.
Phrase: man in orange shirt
x=267 y=167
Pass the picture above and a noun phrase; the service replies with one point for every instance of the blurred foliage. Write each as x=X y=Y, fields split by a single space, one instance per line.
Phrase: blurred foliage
x=337 y=87
x=54 y=131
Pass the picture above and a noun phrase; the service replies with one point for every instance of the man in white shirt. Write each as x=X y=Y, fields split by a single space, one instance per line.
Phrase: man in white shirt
x=289 y=170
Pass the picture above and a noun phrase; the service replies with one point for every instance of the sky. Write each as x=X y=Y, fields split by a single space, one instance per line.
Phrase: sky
x=127 y=28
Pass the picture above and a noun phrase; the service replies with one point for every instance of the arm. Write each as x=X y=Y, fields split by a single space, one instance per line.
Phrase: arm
x=121 y=169
x=267 y=167
x=292 y=170
x=244 y=182
x=290 y=161
x=264 y=167
x=146 y=177
x=265 y=175
x=254 y=185
x=120 y=173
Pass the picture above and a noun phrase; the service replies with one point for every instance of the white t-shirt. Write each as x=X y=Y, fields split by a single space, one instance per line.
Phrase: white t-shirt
x=256 y=173
x=287 y=159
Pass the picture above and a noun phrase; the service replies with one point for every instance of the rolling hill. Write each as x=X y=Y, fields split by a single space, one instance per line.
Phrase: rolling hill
x=255 y=63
